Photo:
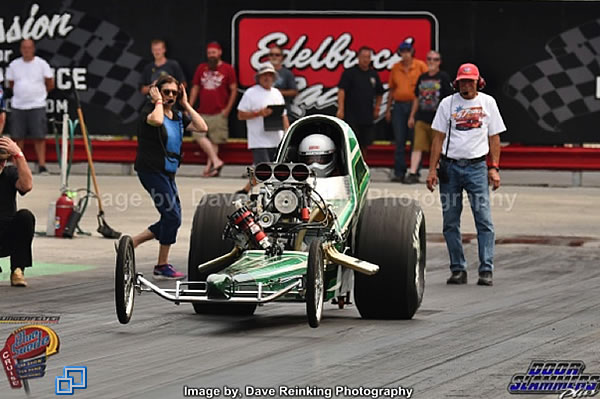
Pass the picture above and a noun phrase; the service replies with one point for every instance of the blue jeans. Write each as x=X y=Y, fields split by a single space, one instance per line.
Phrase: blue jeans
x=400 y=114
x=163 y=191
x=472 y=178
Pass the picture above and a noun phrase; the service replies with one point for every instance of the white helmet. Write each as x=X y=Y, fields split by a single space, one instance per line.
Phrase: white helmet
x=318 y=152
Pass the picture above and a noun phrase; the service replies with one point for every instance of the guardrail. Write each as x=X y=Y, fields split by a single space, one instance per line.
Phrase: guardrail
x=515 y=157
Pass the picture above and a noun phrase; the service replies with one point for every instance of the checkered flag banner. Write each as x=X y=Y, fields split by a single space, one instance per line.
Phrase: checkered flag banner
x=113 y=73
x=558 y=89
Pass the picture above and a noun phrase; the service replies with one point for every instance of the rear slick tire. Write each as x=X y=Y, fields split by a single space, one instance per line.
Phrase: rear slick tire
x=391 y=235
x=206 y=243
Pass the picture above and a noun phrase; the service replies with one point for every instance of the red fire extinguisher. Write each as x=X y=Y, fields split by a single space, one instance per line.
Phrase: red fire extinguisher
x=64 y=209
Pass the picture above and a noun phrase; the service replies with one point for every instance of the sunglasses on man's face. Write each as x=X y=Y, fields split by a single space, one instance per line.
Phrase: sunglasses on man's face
x=433 y=58
x=274 y=54
x=168 y=92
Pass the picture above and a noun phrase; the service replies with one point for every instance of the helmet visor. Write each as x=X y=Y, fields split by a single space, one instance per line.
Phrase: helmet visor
x=322 y=159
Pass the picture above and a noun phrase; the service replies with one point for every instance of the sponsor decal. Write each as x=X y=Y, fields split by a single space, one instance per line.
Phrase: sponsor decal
x=564 y=378
x=74 y=377
x=25 y=352
x=318 y=46
x=28 y=319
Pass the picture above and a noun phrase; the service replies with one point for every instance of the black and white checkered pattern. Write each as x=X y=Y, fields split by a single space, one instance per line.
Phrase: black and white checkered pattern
x=113 y=73
x=558 y=89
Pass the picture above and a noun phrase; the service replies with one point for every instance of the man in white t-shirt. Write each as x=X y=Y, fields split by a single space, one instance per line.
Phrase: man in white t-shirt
x=254 y=108
x=467 y=126
x=30 y=78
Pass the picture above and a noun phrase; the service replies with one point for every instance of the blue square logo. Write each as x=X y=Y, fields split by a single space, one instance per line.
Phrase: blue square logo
x=73 y=378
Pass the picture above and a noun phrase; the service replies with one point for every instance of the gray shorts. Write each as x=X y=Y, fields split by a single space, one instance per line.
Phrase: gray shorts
x=28 y=123
x=260 y=155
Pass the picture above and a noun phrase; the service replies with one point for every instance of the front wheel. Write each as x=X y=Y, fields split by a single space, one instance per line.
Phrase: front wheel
x=125 y=278
x=314 y=284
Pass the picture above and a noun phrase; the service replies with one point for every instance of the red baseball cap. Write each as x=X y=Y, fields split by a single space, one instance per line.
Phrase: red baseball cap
x=213 y=45
x=467 y=71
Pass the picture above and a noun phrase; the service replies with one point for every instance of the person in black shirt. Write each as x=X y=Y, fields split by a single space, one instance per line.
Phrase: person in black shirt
x=159 y=67
x=16 y=227
x=431 y=87
x=359 y=97
x=160 y=136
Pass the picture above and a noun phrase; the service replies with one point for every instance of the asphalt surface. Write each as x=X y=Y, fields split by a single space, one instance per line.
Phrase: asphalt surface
x=465 y=341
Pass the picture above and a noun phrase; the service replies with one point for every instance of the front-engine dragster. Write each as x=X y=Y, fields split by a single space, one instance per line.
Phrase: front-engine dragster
x=299 y=237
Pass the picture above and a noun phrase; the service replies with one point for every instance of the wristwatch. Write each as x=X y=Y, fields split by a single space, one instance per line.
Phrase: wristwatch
x=494 y=166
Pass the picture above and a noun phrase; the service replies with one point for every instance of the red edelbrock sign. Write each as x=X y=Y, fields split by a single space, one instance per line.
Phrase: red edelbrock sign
x=319 y=46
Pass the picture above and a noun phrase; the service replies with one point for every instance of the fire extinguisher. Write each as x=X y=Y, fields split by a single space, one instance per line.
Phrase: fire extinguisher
x=64 y=209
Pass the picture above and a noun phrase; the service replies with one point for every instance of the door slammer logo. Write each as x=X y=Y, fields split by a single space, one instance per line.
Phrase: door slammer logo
x=562 y=377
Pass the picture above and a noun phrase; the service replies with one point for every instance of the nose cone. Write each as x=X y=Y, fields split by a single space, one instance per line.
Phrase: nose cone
x=219 y=286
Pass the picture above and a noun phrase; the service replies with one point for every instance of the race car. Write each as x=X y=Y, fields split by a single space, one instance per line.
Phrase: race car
x=299 y=237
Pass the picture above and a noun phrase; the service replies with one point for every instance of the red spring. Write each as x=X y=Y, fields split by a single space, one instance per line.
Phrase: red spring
x=244 y=218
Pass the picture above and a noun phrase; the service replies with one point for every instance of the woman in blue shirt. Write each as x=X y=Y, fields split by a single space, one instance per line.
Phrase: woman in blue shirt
x=160 y=135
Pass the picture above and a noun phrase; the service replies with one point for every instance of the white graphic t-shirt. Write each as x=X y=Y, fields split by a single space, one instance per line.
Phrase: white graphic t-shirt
x=255 y=99
x=473 y=121
x=30 y=88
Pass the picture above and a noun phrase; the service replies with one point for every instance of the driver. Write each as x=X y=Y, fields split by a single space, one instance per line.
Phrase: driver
x=318 y=152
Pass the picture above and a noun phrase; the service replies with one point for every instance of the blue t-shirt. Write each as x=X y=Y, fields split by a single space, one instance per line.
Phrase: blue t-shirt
x=174 y=138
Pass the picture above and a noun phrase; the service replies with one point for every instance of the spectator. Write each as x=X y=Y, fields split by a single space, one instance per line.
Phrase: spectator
x=215 y=86
x=473 y=123
x=285 y=81
x=253 y=108
x=31 y=79
x=16 y=227
x=160 y=135
x=161 y=66
x=359 y=97
x=432 y=86
x=402 y=83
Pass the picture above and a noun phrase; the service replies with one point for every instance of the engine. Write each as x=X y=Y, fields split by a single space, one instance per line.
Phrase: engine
x=278 y=217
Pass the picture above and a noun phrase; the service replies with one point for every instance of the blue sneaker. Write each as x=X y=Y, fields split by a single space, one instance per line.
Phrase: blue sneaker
x=166 y=272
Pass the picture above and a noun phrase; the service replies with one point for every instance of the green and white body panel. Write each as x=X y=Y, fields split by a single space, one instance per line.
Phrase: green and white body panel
x=255 y=274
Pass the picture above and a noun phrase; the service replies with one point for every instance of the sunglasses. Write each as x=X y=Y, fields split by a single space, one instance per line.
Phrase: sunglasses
x=168 y=92
x=275 y=54
x=433 y=59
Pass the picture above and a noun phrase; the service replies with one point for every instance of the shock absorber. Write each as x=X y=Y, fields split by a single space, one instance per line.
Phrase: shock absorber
x=244 y=219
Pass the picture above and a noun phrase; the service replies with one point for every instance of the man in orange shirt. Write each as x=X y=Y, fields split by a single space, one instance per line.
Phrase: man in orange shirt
x=402 y=83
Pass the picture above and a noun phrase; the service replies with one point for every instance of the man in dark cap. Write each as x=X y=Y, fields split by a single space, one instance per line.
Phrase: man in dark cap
x=402 y=82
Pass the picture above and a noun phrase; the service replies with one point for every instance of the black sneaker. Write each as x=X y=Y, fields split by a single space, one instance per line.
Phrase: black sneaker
x=411 y=178
x=43 y=171
x=459 y=277
x=485 y=278
x=398 y=179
